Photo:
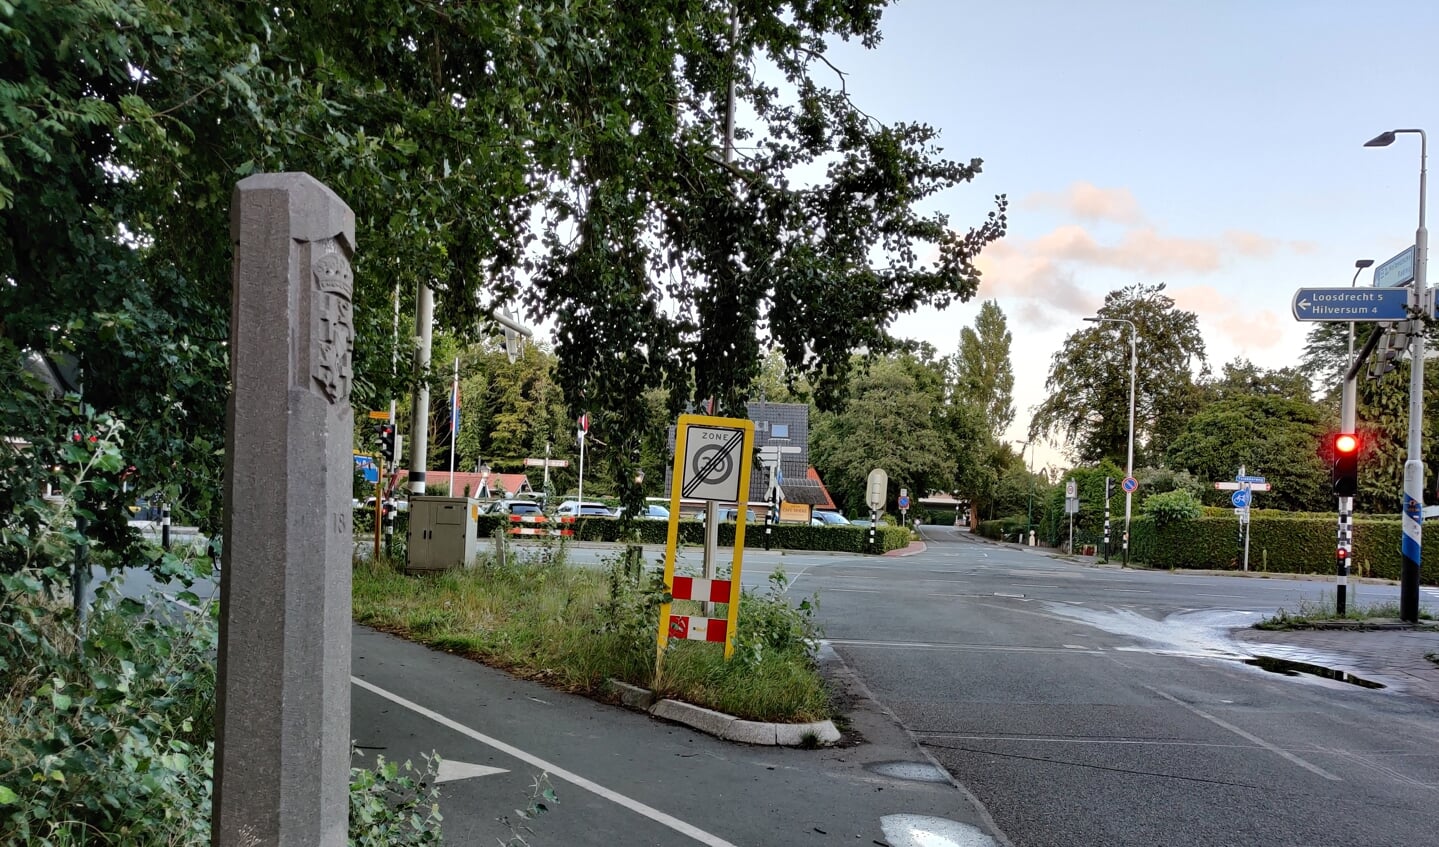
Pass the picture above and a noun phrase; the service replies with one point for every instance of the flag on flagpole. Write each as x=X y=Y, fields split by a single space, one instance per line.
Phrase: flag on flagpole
x=455 y=410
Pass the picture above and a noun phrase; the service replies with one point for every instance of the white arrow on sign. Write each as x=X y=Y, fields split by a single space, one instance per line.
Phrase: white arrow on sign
x=451 y=771
x=1303 y=304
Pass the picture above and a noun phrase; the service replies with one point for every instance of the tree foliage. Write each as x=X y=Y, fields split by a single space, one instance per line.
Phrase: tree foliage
x=894 y=419
x=982 y=370
x=1088 y=384
x=567 y=158
x=1279 y=438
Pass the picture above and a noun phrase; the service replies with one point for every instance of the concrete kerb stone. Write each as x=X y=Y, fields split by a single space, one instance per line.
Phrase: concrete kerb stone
x=698 y=717
x=724 y=726
x=631 y=696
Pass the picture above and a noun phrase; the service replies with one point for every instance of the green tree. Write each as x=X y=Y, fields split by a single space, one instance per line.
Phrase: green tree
x=1088 y=384
x=1278 y=437
x=982 y=370
x=892 y=420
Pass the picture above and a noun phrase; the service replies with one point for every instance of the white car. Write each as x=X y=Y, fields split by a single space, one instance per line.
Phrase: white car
x=572 y=508
x=823 y=518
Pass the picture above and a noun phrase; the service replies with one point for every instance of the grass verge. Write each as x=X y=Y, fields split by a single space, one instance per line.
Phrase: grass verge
x=572 y=627
x=1314 y=613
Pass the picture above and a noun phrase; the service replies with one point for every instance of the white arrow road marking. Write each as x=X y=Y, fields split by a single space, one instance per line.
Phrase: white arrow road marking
x=554 y=770
x=451 y=771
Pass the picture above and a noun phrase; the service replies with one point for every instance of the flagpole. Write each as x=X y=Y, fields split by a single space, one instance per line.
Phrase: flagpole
x=454 y=423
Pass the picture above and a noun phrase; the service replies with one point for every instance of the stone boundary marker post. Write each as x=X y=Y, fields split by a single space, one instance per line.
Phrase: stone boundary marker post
x=282 y=759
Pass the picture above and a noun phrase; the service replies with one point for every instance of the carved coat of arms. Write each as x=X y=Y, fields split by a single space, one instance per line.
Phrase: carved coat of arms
x=333 y=324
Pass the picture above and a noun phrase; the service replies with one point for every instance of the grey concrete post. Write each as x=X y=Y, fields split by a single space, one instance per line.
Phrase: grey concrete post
x=282 y=758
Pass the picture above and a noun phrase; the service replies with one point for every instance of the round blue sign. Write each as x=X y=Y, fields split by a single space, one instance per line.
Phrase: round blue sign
x=1240 y=499
x=1130 y=484
x=904 y=502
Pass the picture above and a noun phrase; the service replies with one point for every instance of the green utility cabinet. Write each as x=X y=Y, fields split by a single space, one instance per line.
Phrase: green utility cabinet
x=442 y=533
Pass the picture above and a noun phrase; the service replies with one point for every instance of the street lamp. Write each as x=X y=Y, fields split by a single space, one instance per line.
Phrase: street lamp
x=1029 y=526
x=1129 y=465
x=1413 y=517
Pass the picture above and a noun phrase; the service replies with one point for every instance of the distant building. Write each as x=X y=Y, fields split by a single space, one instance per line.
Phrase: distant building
x=775 y=425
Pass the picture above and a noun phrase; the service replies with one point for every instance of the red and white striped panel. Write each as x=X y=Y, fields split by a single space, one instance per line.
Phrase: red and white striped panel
x=694 y=628
x=697 y=588
x=528 y=530
x=529 y=519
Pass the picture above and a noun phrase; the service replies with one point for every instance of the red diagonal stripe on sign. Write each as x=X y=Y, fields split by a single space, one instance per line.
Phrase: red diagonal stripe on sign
x=679 y=626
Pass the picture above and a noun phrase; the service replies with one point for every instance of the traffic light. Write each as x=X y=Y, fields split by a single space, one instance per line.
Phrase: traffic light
x=1346 y=464
x=387 y=442
x=1386 y=358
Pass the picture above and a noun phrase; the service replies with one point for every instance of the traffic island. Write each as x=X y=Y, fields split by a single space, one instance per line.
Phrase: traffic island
x=721 y=725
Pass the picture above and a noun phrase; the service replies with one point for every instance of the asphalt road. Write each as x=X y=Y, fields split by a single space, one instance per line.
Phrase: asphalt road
x=1088 y=705
x=1067 y=704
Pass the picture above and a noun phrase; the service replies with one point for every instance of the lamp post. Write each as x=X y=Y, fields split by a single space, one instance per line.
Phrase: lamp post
x=1129 y=464
x=1413 y=515
x=1347 y=403
x=1029 y=525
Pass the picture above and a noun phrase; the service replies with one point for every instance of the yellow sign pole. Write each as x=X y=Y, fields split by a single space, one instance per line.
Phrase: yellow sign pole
x=678 y=483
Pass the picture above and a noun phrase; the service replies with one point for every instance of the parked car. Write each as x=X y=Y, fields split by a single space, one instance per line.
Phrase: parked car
x=516 y=507
x=571 y=508
x=649 y=512
x=823 y=518
x=861 y=522
x=730 y=515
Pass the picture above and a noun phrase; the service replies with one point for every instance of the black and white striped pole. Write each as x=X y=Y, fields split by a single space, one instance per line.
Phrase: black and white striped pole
x=1108 y=492
x=1346 y=550
x=165 y=525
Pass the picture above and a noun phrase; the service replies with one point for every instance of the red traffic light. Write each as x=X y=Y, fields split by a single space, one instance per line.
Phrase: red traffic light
x=1346 y=443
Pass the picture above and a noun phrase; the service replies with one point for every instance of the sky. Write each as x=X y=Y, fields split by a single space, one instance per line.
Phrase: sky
x=1214 y=146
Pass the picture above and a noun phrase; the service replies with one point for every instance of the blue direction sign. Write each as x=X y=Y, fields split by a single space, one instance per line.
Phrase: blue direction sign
x=1351 y=304
x=1243 y=478
x=1397 y=271
x=1240 y=499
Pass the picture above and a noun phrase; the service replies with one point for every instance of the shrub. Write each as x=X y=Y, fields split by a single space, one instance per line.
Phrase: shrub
x=1171 y=507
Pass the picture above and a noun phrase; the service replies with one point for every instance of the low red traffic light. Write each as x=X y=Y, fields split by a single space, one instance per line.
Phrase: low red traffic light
x=1346 y=443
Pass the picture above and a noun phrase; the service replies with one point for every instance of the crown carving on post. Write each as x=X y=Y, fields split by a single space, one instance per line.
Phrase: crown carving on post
x=333 y=276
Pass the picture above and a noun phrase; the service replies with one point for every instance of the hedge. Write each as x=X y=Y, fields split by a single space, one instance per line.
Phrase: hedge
x=842 y=539
x=1283 y=542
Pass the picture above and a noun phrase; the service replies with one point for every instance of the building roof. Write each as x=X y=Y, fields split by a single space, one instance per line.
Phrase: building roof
x=481 y=486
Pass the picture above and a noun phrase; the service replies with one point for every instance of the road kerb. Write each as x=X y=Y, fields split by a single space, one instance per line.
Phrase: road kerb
x=721 y=725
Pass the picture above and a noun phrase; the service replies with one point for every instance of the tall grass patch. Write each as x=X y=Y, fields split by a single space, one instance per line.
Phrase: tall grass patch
x=573 y=627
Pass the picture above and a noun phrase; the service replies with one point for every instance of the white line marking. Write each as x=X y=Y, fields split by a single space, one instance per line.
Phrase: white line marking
x=1220 y=722
x=554 y=770
x=982 y=648
x=854 y=590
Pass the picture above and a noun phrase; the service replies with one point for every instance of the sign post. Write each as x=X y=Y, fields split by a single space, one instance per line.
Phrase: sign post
x=582 y=428
x=876 y=492
x=1108 y=488
x=1071 y=508
x=1243 y=486
x=712 y=463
